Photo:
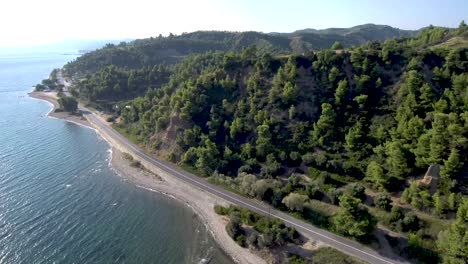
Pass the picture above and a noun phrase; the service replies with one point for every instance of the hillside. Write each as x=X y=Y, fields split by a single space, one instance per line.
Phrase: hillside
x=170 y=50
x=366 y=31
x=340 y=139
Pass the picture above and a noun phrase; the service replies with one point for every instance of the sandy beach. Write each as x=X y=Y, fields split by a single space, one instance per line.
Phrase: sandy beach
x=52 y=98
x=154 y=179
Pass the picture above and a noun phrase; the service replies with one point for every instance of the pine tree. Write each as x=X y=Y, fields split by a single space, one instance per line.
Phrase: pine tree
x=450 y=170
x=291 y=112
x=263 y=143
x=375 y=174
x=438 y=139
x=352 y=220
x=289 y=93
x=352 y=138
x=426 y=98
x=439 y=203
x=396 y=161
x=341 y=92
x=454 y=241
x=323 y=131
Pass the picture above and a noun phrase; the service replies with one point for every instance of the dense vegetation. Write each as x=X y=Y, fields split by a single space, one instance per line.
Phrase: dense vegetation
x=68 y=104
x=258 y=232
x=49 y=83
x=111 y=84
x=325 y=255
x=264 y=231
x=171 y=49
x=308 y=132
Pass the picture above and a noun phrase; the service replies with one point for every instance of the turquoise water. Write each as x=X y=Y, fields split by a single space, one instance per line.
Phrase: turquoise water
x=60 y=202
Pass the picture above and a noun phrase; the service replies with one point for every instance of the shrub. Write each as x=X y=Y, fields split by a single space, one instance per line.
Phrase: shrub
x=383 y=201
x=396 y=214
x=220 y=210
x=127 y=156
x=68 y=103
x=135 y=164
x=233 y=228
x=171 y=157
x=267 y=232
x=252 y=239
x=357 y=191
x=295 y=201
x=410 y=222
x=296 y=260
x=240 y=239
x=337 y=45
x=333 y=194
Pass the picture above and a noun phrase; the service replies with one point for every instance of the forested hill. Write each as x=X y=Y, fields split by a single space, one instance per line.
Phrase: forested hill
x=364 y=32
x=340 y=138
x=147 y=52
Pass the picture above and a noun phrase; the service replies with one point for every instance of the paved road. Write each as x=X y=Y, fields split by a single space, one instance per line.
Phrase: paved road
x=62 y=80
x=345 y=245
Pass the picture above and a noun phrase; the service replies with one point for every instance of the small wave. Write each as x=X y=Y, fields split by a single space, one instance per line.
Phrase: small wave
x=208 y=257
x=109 y=157
x=68 y=185
x=96 y=170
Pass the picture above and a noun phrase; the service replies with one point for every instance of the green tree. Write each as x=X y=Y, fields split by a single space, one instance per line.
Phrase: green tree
x=334 y=195
x=236 y=127
x=396 y=160
x=68 y=104
x=426 y=97
x=375 y=174
x=410 y=222
x=322 y=132
x=204 y=158
x=422 y=150
x=361 y=101
x=383 y=201
x=337 y=45
x=450 y=170
x=271 y=165
x=358 y=191
x=263 y=143
x=246 y=151
x=289 y=93
x=353 y=137
x=233 y=227
x=451 y=201
x=341 y=91
x=351 y=220
x=333 y=74
x=295 y=201
x=453 y=242
x=396 y=214
x=291 y=112
x=440 y=203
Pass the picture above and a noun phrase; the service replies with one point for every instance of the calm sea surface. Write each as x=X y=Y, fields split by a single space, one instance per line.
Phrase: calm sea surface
x=60 y=202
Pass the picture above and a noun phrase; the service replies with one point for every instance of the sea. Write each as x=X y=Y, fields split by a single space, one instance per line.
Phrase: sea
x=60 y=200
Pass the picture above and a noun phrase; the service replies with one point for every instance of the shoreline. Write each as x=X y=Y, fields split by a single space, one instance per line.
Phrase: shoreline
x=154 y=179
x=51 y=98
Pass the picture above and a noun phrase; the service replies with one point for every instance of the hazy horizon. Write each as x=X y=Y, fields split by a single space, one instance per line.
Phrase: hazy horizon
x=77 y=43
x=53 y=21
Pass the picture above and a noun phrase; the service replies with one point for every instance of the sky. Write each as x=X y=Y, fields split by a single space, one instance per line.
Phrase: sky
x=38 y=22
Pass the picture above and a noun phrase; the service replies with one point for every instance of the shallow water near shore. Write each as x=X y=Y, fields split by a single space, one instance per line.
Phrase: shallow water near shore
x=60 y=202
